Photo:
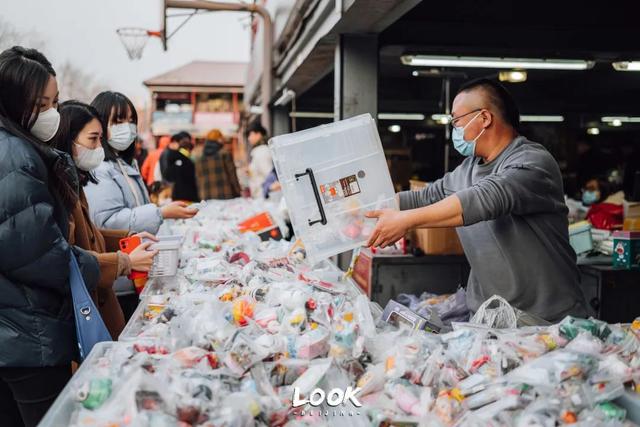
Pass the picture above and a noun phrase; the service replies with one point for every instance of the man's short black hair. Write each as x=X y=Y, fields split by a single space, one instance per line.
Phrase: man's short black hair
x=498 y=97
x=257 y=127
x=180 y=136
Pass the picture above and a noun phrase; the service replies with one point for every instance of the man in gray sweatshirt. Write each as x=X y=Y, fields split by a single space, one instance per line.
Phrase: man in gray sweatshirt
x=507 y=202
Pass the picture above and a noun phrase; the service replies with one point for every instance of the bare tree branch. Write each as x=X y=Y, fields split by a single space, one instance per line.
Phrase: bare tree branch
x=73 y=82
x=10 y=37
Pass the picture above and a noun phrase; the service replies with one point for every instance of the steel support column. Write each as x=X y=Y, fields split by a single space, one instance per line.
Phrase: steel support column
x=281 y=120
x=356 y=76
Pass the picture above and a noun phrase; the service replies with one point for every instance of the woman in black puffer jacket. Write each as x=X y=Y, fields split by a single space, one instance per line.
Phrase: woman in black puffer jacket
x=37 y=187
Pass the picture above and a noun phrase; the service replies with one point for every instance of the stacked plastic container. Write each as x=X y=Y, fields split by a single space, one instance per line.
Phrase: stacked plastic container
x=331 y=175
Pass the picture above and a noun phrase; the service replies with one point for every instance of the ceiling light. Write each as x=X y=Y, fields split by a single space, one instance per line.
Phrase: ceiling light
x=616 y=122
x=593 y=131
x=441 y=119
x=440 y=73
x=480 y=62
x=395 y=128
x=530 y=118
x=422 y=136
x=626 y=66
x=400 y=116
x=446 y=118
x=514 y=76
x=310 y=115
x=621 y=119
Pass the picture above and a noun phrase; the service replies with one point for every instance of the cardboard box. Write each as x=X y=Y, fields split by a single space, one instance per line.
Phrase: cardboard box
x=415 y=185
x=631 y=224
x=631 y=209
x=434 y=241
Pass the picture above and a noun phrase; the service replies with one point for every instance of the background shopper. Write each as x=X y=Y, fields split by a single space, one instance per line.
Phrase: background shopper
x=148 y=168
x=215 y=171
x=261 y=163
x=179 y=170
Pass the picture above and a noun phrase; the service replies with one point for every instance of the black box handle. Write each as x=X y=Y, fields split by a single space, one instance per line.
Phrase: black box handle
x=312 y=178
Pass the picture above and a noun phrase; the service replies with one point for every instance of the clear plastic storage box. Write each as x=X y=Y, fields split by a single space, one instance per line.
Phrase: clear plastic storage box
x=166 y=262
x=331 y=175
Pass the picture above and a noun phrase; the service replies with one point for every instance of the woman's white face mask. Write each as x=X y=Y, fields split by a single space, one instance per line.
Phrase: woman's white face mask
x=88 y=159
x=122 y=135
x=46 y=125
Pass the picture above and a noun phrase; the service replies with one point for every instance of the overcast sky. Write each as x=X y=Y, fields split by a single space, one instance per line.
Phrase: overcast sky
x=84 y=32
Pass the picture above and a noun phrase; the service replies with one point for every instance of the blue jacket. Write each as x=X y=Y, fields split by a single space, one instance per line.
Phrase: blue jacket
x=271 y=179
x=36 y=318
x=112 y=204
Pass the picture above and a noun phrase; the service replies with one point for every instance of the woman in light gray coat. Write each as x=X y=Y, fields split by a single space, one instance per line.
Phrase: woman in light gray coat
x=120 y=199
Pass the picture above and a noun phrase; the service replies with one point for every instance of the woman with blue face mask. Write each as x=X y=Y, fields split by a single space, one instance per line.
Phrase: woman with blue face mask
x=592 y=192
x=118 y=199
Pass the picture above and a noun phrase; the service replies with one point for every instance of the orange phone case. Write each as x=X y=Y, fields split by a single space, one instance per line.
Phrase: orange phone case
x=127 y=245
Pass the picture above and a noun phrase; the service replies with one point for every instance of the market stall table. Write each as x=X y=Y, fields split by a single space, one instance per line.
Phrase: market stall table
x=245 y=323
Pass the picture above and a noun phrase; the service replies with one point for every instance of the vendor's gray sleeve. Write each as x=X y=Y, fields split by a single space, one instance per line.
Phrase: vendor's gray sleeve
x=518 y=189
x=433 y=193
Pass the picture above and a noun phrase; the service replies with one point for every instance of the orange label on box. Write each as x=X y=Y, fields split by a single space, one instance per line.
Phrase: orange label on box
x=257 y=223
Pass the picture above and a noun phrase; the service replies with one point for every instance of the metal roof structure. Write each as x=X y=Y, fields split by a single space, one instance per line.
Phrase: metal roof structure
x=201 y=74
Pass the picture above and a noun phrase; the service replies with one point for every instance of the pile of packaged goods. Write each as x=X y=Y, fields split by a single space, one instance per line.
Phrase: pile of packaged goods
x=248 y=334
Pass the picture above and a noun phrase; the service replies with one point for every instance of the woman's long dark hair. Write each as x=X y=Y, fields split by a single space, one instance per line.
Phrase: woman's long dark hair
x=74 y=116
x=113 y=106
x=24 y=74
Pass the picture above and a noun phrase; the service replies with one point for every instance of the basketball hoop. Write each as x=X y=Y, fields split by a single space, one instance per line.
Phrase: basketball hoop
x=135 y=39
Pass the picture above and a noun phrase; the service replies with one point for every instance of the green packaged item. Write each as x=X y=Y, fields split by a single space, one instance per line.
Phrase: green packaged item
x=94 y=393
x=626 y=249
x=571 y=326
x=611 y=411
x=207 y=244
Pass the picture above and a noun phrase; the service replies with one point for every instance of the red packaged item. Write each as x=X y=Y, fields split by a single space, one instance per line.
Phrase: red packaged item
x=606 y=216
x=398 y=248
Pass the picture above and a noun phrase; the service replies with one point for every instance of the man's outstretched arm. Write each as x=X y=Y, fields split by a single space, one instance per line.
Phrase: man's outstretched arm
x=393 y=225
